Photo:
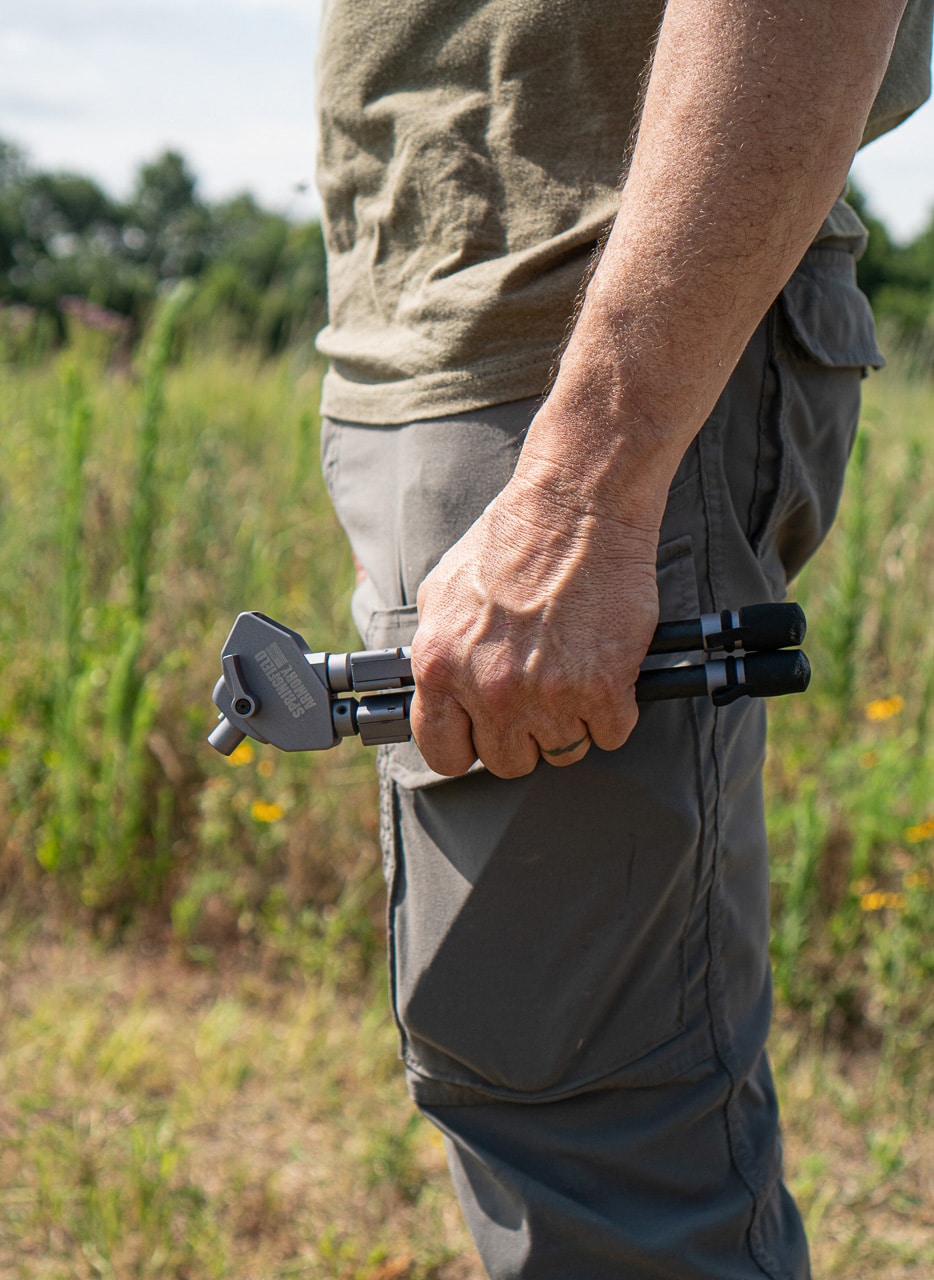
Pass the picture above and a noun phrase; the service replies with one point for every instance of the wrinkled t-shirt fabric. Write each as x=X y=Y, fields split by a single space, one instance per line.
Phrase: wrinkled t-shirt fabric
x=469 y=160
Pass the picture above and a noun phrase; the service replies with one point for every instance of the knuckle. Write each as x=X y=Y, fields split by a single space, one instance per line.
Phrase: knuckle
x=433 y=665
x=612 y=729
x=507 y=755
x=449 y=766
x=509 y=769
x=563 y=696
x=441 y=754
x=501 y=689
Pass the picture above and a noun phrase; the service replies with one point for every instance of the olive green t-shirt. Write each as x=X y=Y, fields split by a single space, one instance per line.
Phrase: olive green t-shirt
x=469 y=160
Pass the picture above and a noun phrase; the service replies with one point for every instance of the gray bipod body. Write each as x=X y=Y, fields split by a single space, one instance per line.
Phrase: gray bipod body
x=275 y=690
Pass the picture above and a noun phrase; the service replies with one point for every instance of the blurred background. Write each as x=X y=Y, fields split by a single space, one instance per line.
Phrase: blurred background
x=198 y=1074
x=229 y=84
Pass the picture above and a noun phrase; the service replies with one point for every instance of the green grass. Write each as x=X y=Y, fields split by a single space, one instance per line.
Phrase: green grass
x=190 y=493
x=161 y=1120
x=218 y=1094
x=851 y=765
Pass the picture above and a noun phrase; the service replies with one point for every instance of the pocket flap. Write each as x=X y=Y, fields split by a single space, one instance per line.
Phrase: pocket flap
x=390 y=628
x=828 y=314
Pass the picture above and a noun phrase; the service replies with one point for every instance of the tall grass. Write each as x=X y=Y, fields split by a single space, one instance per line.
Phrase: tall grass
x=98 y=775
x=190 y=491
x=149 y=510
x=851 y=766
x=140 y=511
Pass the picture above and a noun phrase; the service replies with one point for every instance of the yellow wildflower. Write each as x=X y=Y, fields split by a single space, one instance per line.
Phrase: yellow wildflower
x=885 y=708
x=265 y=768
x=264 y=812
x=243 y=754
x=923 y=831
x=877 y=900
x=916 y=879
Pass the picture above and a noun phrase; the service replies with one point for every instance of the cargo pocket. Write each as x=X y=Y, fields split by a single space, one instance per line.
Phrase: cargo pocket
x=542 y=929
x=823 y=341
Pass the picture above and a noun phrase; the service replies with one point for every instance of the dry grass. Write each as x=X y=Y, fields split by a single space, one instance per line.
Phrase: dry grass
x=164 y=1119
x=859 y=1153
x=161 y=1118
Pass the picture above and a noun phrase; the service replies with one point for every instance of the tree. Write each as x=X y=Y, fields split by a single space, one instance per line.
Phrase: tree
x=166 y=225
x=260 y=278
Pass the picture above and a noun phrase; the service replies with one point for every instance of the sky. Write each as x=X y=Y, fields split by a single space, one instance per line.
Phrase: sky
x=100 y=86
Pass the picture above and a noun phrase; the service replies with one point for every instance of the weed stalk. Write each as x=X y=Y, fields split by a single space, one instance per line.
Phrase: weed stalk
x=848 y=604
x=59 y=846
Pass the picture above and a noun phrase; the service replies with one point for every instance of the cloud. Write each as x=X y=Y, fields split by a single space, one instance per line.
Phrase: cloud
x=895 y=174
x=300 y=9
x=99 y=88
x=93 y=18
x=33 y=106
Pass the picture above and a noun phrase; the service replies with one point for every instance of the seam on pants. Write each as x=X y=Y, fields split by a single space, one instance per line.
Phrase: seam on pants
x=719 y=1033
x=735 y=1141
x=751 y=531
x=699 y=868
x=388 y=788
x=762 y=1253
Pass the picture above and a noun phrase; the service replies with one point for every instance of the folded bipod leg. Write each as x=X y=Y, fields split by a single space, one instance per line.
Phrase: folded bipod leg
x=756 y=628
x=723 y=680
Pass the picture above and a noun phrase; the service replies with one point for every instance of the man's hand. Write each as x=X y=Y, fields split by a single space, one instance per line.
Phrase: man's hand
x=533 y=628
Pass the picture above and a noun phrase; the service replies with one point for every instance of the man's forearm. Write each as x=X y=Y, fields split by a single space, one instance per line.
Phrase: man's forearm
x=752 y=115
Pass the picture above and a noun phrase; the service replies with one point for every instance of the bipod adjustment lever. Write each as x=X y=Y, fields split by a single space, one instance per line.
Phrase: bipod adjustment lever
x=275 y=690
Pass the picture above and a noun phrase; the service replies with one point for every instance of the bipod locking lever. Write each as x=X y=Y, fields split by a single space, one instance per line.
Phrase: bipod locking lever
x=275 y=690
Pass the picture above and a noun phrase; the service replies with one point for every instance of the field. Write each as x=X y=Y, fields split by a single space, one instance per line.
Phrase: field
x=198 y=1073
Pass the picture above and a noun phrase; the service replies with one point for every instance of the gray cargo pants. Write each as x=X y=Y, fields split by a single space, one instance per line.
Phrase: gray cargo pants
x=579 y=958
